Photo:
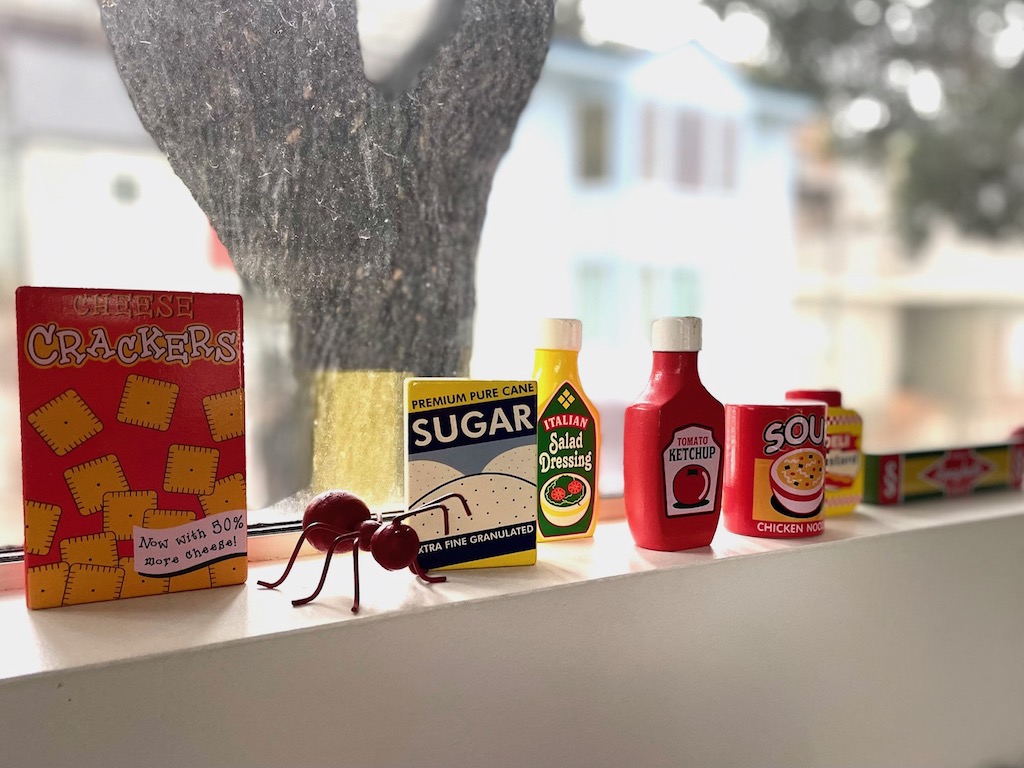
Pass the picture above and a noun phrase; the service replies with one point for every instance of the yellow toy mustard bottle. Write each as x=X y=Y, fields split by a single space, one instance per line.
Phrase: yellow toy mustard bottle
x=568 y=436
x=844 y=457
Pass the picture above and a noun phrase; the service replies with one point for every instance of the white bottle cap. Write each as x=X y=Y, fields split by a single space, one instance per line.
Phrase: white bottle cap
x=676 y=334
x=560 y=333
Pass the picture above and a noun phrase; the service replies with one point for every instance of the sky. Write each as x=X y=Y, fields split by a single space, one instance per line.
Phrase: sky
x=661 y=25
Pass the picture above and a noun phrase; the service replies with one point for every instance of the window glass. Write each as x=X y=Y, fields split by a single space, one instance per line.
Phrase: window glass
x=730 y=150
x=690 y=149
x=842 y=174
x=649 y=141
x=596 y=291
x=593 y=141
x=666 y=291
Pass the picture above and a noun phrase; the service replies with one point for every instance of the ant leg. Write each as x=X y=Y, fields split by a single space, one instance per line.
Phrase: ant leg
x=436 y=504
x=327 y=564
x=355 y=578
x=415 y=568
x=291 y=562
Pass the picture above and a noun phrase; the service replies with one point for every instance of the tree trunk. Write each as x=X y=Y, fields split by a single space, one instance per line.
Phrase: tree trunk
x=362 y=213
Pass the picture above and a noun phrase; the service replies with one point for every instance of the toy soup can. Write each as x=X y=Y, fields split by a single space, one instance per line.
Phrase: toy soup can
x=774 y=482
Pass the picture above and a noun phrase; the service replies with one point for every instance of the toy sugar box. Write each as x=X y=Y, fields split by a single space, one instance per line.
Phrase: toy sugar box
x=476 y=440
x=133 y=443
x=898 y=477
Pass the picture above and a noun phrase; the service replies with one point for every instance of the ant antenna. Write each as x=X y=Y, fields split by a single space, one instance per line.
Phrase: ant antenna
x=436 y=504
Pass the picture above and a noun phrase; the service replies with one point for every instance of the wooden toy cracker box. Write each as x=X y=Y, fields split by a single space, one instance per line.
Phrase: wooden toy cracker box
x=898 y=477
x=133 y=443
x=478 y=440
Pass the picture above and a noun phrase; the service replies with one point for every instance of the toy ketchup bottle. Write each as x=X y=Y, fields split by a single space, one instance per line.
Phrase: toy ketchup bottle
x=673 y=446
x=568 y=436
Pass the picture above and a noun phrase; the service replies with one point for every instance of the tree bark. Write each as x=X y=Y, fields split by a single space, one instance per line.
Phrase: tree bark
x=362 y=212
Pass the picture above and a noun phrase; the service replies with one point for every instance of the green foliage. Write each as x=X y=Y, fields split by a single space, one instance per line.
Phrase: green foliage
x=964 y=161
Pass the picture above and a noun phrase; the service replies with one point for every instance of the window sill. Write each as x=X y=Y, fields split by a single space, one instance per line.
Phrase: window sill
x=590 y=619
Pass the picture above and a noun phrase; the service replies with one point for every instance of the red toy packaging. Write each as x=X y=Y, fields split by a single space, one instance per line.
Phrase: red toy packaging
x=775 y=476
x=896 y=478
x=673 y=446
x=133 y=443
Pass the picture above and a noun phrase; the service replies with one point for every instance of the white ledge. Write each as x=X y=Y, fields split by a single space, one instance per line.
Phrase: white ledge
x=758 y=651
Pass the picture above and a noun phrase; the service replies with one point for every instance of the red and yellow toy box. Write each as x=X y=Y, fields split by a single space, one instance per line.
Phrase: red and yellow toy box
x=133 y=443
x=896 y=478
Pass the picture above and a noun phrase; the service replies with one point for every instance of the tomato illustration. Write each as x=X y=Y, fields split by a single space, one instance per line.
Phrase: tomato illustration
x=690 y=486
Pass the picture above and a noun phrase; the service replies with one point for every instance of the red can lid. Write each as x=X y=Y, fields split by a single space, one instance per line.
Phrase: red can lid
x=833 y=398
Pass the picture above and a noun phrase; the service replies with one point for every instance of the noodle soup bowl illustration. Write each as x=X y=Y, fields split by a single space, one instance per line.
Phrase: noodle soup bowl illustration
x=565 y=498
x=798 y=482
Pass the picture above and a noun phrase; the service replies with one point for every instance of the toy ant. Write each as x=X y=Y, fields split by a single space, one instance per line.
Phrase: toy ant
x=338 y=521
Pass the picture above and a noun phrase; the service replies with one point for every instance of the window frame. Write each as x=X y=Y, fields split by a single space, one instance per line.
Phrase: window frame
x=265 y=542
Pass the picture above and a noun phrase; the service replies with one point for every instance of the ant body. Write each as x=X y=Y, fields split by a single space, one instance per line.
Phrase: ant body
x=338 y=521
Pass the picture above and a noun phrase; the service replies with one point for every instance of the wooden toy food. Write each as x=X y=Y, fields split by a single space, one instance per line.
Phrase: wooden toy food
x=568 y=436
x=673 y=446
x=775 y=475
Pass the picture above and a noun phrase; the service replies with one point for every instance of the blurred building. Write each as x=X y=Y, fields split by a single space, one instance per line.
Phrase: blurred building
x=79 y=168
x=640 y=185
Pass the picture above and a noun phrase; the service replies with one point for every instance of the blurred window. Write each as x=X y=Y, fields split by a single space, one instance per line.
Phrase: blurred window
x=850 y=172
x=690 y=149
x=594 y=147
x=596 y=284
x=649 y=141
x=730 y=150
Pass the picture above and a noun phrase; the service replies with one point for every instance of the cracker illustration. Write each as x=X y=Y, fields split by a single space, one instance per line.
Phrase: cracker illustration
x=40 y=526
x=147 y=402
x=137 y=585
x=225 y=412
x=191 y=469
x=230 y=571
x=488 y=498
x=167 y=518
x=46 y=584
x=520 y=462
x=197 y=579
x=89 y=481
x=121 y=431
x=91 y=583
x=123 y=510
x=228 y=495
x=91 y=549
x=65 y=422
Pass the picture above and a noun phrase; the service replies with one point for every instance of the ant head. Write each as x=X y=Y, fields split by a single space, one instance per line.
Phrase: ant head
x=394 y=545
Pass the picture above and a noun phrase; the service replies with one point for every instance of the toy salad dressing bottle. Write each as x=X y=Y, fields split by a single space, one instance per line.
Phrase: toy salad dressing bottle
x=568 y=436
x=673 y=446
